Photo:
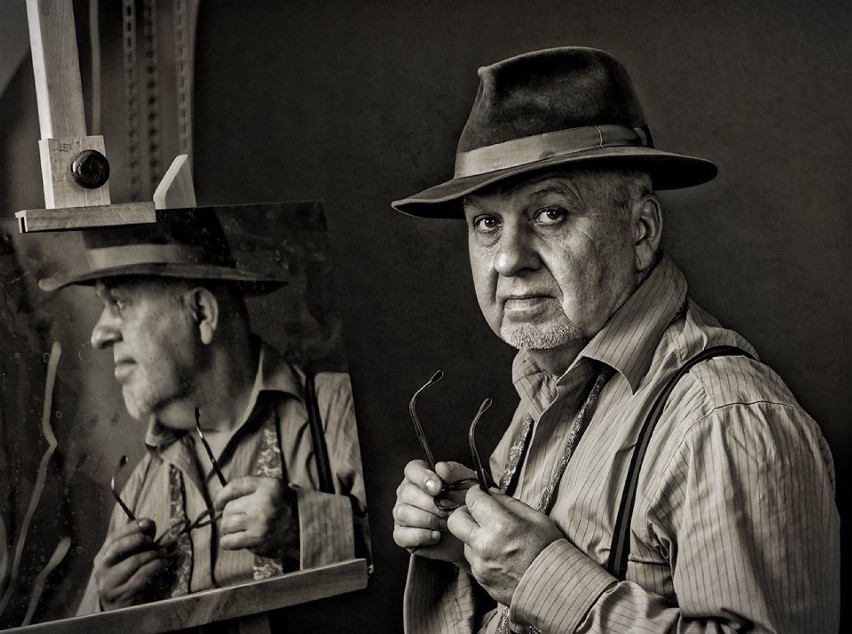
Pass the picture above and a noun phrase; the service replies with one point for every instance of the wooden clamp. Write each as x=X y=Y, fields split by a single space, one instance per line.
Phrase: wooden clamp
x=74 y=167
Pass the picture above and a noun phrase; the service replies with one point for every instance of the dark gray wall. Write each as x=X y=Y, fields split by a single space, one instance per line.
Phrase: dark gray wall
x=358 y=103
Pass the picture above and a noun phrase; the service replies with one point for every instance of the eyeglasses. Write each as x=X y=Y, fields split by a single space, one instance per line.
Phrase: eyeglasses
x=179 y=527
x=444 y=500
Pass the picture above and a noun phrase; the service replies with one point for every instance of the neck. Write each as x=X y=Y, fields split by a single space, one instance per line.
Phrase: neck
x=228 y=386
x=222 y=389
x=557 y=360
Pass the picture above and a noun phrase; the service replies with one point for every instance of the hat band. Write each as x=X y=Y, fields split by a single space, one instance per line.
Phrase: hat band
x=542 y=146
x=108 y=257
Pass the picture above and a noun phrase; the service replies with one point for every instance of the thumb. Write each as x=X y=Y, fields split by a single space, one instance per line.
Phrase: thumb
x=453 y=471
x=514 y=506
x=236 y=488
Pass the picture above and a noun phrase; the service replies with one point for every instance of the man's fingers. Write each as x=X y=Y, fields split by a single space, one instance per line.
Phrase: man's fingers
x=121 y=573
x=126 y=546
x=408 y=493
x=233 y=522
x=417 y=473
x=238 y=540
x=462 y=525
x=143 y=525
x=484 y=507
x=142 y=577
x=453 y=471
x=408 y=537
x=513 y=505
x=236 y=488
x=411 y=516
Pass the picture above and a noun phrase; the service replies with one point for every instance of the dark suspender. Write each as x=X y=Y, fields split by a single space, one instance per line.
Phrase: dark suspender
x=317 y=435
x=620 y=548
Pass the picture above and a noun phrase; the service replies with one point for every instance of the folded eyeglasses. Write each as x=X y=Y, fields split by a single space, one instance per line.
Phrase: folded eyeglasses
x=178 y=528
x=483 y=479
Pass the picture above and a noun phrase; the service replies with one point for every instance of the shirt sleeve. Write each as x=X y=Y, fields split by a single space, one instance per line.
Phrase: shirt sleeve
x=91 y=601
x=745 y=510
x=439 y=599
x=333 y=527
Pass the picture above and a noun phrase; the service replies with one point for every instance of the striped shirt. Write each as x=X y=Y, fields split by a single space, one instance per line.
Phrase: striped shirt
x=326 y=521
x=735 y=525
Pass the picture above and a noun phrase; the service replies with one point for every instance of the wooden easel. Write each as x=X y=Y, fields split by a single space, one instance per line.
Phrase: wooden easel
x=75 y=171
x=75 y=174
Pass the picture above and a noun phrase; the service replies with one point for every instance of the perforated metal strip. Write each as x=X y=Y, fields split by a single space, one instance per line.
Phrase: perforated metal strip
x=131 y=97
x=151 y=49
x=183 y=73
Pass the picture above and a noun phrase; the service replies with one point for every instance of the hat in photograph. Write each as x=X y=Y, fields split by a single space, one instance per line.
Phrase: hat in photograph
x=183 y=244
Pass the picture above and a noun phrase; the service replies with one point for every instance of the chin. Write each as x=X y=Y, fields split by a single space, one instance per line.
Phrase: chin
x=139 y=406
x=540 y=337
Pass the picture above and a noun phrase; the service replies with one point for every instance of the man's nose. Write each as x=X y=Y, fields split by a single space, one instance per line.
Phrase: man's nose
x=105 y=333
x=516 y=252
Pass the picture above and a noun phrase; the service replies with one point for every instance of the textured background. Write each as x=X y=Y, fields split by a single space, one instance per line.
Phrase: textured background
x=359 y=103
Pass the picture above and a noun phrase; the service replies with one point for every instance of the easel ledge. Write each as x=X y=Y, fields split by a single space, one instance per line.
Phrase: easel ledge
x=217 y=605
x=31 y=220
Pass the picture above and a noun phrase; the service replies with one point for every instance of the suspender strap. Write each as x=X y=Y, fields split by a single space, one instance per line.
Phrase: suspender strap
x=620 y=548
x=317 y=435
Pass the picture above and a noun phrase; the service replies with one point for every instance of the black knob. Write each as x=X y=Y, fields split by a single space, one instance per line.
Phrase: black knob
x=90 y=169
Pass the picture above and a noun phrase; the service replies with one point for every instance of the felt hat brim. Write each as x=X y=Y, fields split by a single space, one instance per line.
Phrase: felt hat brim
x=250 y=282
x=667 y=170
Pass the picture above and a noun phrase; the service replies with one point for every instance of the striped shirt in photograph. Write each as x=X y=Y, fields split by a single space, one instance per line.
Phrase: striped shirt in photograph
x=274 y=440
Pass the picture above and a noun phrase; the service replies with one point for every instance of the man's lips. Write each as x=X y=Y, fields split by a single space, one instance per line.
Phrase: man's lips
x=527 y=306
x=526 y=299
x=123 y=367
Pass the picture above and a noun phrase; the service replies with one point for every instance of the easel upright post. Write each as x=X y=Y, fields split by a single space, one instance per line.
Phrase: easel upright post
x=70 y=178
x=74 y=167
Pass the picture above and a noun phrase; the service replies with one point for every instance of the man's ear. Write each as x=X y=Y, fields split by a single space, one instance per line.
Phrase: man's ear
x=647 y=231
x=204 y=307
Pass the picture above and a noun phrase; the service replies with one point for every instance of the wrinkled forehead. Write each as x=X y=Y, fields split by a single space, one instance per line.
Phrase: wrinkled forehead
x=136 y=285
x=574 y=184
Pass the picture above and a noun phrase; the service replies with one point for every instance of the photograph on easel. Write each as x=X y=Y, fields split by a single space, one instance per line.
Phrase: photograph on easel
x=188 y=420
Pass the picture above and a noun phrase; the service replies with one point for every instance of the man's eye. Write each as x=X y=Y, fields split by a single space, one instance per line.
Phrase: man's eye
x=485 y=224
x=550 y=216
x=118 y=304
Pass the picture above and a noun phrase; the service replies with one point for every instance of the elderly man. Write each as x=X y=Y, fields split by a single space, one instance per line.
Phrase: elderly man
x=253 y=468
x=655 y=476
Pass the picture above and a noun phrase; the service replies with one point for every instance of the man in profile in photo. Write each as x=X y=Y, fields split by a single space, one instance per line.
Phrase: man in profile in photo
x=655 y=476
x=252 y=466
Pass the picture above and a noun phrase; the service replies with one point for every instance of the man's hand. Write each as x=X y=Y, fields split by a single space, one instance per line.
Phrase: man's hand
x=418 y=524
x=502 y=537
x=258 y=514
x=130 y=568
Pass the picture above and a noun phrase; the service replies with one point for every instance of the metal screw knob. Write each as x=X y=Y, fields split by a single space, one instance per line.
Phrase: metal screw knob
x=90 y=169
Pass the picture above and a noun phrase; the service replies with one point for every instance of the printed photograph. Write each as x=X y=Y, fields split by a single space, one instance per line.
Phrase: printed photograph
x=187 y=420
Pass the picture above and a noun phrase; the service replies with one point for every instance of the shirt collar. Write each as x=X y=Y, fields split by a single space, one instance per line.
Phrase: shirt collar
x=628 y=339
x=273 y=374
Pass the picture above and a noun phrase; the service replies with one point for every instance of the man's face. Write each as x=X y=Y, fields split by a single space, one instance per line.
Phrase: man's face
x=153 y=341
x=552 y=258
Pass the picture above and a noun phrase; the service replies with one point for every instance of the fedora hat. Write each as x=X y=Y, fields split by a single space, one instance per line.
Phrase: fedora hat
x=182 y=244
x=572 y=107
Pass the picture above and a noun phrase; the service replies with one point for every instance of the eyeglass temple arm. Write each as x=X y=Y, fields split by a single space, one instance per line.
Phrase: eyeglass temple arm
x=209 y=451
x=485 y=480
x=421 y=436
x=121 y=462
